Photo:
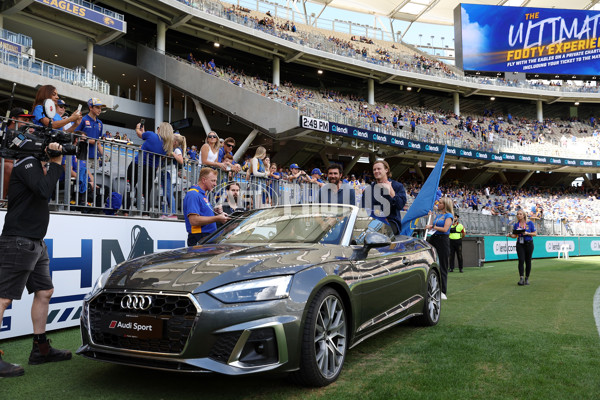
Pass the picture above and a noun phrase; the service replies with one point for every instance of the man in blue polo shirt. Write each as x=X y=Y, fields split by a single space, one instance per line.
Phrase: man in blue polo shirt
x=92 y=127
x=200 y=217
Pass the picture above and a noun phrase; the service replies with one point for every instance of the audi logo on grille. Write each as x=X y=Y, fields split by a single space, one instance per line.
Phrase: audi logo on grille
x=136 y=302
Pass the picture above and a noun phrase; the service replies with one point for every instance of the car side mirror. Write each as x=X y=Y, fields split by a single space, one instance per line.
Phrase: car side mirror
x=376 y=239
x=372 y=240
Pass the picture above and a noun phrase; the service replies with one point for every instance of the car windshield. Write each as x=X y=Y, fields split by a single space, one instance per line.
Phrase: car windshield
x=322 y=224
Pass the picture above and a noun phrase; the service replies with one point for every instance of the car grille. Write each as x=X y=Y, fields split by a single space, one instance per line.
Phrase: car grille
x=178 y=313
x=224 y=345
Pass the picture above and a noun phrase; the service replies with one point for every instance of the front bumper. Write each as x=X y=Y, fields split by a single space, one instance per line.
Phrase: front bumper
x=199 y=334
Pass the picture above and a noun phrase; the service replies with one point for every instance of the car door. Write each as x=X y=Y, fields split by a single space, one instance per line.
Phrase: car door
x=386 y=284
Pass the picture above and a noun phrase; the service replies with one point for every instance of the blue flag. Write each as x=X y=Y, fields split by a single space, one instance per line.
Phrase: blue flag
x=426 y=198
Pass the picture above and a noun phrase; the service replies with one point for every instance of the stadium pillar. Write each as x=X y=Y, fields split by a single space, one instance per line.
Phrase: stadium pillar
x=244 y=146
x=352 y=163
x=371 y=91
x=89 y=64
x=540 y=111
x=456 y=98
x=159 y=95
x=276 y=71
x=503 y=177
x=525 y=179
x=1 y=21
x=323 y=155
x=202 y=116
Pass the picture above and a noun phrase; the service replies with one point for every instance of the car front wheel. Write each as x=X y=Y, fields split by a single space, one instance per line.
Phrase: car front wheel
x=432 y=306
x=323 y=340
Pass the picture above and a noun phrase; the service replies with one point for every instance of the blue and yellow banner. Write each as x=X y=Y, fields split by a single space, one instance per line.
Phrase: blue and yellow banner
x=85 y=13
x=10 y=46
x=527 y=39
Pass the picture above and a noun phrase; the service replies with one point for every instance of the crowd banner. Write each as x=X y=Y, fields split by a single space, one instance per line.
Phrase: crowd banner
x=499 y=248
x=80 y=249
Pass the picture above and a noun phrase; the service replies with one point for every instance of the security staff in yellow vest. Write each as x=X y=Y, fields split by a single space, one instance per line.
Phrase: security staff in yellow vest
x=457 y=232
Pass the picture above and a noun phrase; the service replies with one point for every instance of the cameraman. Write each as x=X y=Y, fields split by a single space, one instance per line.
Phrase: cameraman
x=17 y=119
x=24 y=258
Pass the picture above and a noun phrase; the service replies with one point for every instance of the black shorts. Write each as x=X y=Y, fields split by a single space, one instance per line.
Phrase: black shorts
x=24 y=263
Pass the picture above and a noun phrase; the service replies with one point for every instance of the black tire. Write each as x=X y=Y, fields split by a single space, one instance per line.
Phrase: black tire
x=324 y=340
x=432 y=305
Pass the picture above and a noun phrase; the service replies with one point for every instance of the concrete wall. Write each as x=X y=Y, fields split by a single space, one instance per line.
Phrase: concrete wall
x=245 y=105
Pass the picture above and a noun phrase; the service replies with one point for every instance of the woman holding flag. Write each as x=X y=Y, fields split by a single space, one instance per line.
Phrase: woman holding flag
x=440 y=239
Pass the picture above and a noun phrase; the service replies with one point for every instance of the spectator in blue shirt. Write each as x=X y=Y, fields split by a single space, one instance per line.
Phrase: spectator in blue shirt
x=227 y=148
x=315 y=177
x=155 y=145
x=200 y=217
x=39 y=115
x=193 y=153
x=92 y=127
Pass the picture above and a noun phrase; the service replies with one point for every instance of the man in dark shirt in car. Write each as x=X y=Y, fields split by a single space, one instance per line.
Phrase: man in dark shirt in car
x=24 y=260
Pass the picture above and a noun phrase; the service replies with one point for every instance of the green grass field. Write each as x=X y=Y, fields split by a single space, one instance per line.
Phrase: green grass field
x=495 y=340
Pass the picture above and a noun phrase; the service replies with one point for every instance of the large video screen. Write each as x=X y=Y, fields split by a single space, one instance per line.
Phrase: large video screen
x=529 y=40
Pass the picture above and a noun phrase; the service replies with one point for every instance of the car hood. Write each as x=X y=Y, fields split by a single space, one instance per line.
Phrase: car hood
x=201 y=268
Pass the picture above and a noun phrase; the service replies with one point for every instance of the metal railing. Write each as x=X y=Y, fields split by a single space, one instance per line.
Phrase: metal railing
x=114 y=182
x=78 y=76
x=99 y=9
x=17 y=38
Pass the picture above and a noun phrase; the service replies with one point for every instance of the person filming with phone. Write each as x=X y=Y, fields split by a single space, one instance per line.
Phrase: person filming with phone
x=524 y=231
x=24 y=261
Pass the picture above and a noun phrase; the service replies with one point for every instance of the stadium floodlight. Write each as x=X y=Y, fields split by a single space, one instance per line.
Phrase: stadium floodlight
x=576 y=103
x=408 y=88
x=217 y=44
x=320 y=72
x=492 y=98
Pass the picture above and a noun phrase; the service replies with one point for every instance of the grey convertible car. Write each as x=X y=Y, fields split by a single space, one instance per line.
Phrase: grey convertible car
x=283 y=289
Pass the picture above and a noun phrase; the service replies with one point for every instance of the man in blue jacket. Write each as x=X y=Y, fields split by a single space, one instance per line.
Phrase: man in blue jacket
x=385 y=198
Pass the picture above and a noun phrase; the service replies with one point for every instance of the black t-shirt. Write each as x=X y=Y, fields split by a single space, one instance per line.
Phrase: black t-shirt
x=28 y=194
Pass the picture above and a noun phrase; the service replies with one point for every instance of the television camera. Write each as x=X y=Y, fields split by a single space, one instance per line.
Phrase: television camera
x=33 y=140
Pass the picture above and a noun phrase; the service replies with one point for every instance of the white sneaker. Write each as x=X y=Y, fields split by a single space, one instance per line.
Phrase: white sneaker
x=444 y=297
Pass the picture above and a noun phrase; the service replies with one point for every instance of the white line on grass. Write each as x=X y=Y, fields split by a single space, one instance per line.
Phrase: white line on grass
x=597 y=308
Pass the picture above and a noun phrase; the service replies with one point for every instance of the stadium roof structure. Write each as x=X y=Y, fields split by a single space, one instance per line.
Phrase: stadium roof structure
x=440 y=11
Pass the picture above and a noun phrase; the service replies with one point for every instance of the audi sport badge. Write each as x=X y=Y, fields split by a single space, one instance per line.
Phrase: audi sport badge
x=112 y=324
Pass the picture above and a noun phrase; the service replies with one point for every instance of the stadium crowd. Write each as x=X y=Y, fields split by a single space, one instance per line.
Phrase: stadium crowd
x=484 y=132
x=395 y=55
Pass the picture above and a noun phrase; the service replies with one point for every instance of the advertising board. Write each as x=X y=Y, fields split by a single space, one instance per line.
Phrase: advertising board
x=527 y=39
x=80 y=249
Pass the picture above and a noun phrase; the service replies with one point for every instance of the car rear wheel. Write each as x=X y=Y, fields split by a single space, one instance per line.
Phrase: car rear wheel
x=323 y=341
x=432 y=306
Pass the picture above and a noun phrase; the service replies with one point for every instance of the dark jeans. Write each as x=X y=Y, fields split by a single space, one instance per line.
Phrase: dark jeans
x=146 y=185
x=524 y=251
x=456 y=251
x=442 y=246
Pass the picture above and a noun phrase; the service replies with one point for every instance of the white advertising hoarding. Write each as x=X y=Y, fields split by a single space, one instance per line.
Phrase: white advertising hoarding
x=80 y=248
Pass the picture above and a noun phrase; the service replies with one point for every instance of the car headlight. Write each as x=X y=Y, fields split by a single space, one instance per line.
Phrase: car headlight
x=273 y=288
x=100 y=282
